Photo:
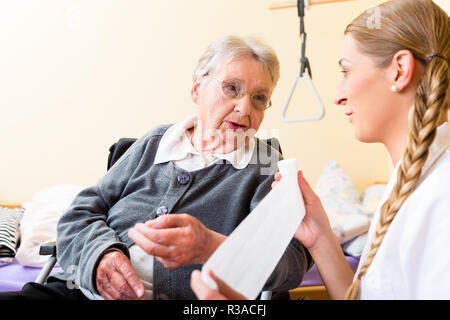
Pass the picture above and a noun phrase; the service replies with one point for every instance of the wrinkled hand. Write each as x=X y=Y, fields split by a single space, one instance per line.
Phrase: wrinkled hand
x=176 y=240
x=316 y=220
x=203 y=292
x=116 y=279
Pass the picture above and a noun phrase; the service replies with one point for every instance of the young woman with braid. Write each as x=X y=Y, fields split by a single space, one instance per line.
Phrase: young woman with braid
x=395 y=90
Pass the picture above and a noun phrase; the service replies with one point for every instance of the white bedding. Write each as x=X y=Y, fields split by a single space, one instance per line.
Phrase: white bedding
x=38 y=224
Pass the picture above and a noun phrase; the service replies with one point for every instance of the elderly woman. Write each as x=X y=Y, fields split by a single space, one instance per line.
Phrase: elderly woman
x=174 y=196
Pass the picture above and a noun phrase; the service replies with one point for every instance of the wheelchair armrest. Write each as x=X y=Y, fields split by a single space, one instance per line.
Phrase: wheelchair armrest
x=47 y=249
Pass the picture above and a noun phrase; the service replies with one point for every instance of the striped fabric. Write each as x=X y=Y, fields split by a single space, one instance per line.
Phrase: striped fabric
x=9 y=223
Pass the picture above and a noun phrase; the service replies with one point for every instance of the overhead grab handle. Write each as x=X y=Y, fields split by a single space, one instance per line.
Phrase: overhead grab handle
x=304 y=78
x=303 y=75
x=293 y=3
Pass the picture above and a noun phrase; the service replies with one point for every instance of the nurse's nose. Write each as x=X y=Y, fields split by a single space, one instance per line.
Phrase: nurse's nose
x=339 y=97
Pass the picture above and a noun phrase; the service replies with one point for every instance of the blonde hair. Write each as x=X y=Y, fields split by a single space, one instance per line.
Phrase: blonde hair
x=423 y=28
x=231 y=47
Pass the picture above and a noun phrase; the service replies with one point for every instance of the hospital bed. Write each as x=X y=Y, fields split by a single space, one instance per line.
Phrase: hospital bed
x=14 y=275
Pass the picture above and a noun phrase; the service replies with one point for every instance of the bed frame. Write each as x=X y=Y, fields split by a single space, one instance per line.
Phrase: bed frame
x=312 y=287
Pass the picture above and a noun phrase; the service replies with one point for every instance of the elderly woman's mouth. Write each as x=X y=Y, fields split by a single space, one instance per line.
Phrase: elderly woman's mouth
x=236 y=126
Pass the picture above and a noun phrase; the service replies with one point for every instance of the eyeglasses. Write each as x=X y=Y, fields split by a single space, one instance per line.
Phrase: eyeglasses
x=234 y=89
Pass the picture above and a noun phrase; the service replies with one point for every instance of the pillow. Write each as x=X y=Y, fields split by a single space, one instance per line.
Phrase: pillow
x=341 y=201
x=355 y=246
x=371 y=197
x=39 y=222
x=9 y=233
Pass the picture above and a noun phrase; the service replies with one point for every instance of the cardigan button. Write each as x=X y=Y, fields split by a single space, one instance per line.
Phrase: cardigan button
x=183 y=178
x=163 y=296
x=161 y=211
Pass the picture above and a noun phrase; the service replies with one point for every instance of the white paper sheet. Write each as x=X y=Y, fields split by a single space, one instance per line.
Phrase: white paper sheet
x=246 y=259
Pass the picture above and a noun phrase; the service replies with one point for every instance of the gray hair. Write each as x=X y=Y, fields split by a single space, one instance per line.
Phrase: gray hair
x=231 y=47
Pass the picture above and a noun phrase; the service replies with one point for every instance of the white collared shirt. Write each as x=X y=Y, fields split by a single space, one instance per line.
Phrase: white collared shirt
x=413 y=261
x=176 y=147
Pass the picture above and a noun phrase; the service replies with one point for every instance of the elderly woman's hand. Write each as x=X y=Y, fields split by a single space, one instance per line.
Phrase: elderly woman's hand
x=116 y=279
x=176 y=240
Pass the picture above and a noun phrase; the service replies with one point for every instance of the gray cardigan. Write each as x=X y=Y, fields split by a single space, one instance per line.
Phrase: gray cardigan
x=133 y=190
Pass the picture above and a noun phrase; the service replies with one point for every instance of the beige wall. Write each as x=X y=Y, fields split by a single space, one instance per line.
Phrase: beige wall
x=77 y=75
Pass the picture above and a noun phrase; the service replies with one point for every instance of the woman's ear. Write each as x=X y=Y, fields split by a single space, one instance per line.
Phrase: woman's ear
x=402 y=69
x=195 y=89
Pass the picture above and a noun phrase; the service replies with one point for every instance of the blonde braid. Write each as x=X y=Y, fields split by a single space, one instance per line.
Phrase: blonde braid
x=421 y=27
x=430 y=102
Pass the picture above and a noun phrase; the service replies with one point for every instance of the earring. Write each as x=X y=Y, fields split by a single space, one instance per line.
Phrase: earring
x=394 y=88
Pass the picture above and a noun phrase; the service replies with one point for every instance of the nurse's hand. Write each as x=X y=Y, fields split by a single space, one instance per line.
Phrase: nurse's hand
x=315 y=223
x=176 y=240
x=203 y=292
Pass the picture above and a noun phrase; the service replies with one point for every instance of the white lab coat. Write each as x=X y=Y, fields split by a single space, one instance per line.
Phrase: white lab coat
x=413 y=262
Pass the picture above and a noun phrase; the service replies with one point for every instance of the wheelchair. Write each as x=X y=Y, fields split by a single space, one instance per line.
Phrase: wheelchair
x=115 y=152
